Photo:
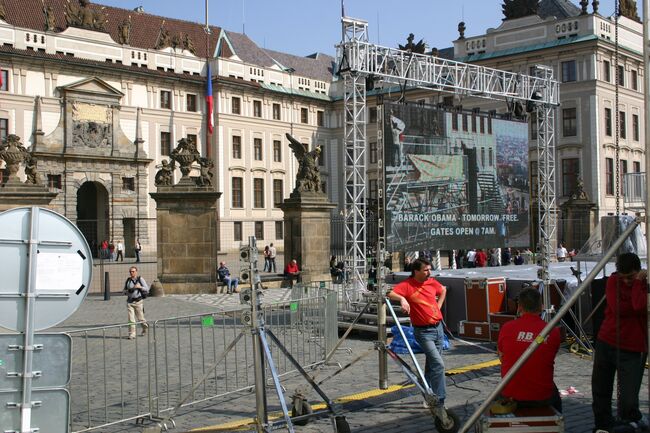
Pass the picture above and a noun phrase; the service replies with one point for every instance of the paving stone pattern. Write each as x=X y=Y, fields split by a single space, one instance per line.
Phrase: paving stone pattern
x=395 y=412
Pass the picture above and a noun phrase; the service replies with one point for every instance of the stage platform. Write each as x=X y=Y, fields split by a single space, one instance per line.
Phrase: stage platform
x=455 y=308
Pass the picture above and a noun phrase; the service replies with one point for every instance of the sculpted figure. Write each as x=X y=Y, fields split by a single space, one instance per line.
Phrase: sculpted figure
x=308 y=177
x=125 y=31
x=185 y=154
x=50 y=21
x=205 y=179
x=188 y=44
x=163 y=38
x=31 y=171
x=165 y=176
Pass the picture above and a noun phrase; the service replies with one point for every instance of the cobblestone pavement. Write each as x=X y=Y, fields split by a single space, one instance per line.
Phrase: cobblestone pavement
x=392 y=412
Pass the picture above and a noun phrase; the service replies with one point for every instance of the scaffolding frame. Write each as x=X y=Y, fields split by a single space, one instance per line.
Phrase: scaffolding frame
x=362 y=62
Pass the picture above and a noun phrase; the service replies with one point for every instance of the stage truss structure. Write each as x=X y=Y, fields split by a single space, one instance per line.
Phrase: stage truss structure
x=361 y=62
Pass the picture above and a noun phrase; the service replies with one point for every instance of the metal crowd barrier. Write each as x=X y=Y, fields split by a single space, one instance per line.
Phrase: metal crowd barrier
x=116 y=380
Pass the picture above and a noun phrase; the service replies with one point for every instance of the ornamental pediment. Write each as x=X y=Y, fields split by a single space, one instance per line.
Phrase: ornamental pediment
x=92 y=85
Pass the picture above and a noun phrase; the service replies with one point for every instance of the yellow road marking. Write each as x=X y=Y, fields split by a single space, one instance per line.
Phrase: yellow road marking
x=346 y=399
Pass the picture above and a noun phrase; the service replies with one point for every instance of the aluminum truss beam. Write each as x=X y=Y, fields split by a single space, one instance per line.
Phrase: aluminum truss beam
x=355 y=159
x=420 y=70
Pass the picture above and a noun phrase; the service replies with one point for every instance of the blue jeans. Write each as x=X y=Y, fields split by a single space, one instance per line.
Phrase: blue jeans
x=231 y=283
x=630 y=374
x=430 y=340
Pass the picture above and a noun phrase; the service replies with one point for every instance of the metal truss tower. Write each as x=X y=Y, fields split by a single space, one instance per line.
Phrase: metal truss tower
x=360 y=61
x=546 y=177
x=354 y=96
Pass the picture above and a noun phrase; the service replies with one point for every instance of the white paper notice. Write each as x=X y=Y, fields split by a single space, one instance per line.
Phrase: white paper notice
x=59 y=272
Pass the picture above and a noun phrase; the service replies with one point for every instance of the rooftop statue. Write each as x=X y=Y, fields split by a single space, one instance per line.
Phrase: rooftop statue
x=124 y=34
x=84 y=16
x=418 y=48
x=50 y=20
x=519 y=8
x=627 y=8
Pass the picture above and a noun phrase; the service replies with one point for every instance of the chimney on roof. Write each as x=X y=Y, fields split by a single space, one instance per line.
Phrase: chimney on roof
x=139 y=9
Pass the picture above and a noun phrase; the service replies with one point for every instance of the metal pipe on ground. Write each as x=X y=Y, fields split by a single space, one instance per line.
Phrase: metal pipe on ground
x=550 y=325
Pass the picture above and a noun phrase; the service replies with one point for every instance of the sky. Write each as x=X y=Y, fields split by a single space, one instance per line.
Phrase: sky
x=303 y=27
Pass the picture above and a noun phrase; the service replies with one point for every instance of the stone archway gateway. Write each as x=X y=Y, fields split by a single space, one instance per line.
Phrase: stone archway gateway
x=92 y=214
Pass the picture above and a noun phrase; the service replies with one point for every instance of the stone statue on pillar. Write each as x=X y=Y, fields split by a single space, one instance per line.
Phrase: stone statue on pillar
x=308 y=177
x=186 y=216
x=13 y=192
x=307 y=216
x=13 y=153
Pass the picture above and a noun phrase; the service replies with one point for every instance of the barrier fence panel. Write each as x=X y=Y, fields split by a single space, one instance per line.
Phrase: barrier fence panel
x=116 y=380
x=110 y=379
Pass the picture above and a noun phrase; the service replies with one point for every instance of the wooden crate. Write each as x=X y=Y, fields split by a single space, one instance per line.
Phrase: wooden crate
x=538 y=420
x=474 y=330
x=497 y=320
x=484 y=296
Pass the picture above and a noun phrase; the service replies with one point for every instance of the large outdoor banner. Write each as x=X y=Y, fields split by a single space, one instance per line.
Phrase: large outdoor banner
x=454 y=180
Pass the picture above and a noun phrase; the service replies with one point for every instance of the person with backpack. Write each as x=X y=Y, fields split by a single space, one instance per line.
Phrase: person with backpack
x=136 y=290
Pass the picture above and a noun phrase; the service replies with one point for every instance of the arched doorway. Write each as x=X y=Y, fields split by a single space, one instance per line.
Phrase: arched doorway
x=92 y=214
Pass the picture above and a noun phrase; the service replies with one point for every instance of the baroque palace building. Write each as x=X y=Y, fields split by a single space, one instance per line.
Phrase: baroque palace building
x=579 y=44
x=100 y=95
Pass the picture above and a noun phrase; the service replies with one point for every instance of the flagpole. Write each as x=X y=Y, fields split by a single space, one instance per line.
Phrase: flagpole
x=208 y=137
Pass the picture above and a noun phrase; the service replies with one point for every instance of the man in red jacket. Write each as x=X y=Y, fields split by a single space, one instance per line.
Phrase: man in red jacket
x=622 y=346
x=533 y=384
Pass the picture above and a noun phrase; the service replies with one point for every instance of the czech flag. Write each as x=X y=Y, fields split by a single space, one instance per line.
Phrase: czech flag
x=209 y=101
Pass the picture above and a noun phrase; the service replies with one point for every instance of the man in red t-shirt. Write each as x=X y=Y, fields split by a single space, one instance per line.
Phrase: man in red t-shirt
x=422 y=297
x=621 y=348
x=533 y=384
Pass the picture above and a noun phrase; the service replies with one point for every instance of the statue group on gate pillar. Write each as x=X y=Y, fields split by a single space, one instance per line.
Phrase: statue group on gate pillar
x=185 y=154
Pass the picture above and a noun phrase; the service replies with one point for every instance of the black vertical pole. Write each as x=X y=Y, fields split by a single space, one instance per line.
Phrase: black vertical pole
x=107 y=286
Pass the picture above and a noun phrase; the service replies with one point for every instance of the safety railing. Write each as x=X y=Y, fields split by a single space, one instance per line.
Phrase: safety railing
x=116 y=380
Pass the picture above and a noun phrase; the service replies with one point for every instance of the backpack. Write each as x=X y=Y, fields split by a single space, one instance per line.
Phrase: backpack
x=143 y=294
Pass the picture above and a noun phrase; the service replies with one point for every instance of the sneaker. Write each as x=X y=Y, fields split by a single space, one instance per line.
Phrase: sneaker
x=131 y=337
x=144 y=332
x=641 y=425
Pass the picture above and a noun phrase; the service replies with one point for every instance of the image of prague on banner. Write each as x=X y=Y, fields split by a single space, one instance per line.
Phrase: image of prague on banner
x=454 y=179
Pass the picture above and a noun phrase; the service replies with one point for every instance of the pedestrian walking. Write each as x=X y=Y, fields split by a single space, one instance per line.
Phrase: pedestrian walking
x=136 y=289
x=120 y=251
x=138 y=250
